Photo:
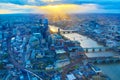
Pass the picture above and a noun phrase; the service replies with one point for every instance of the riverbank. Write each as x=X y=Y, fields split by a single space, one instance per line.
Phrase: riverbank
x=88 y=42
x=112 y=70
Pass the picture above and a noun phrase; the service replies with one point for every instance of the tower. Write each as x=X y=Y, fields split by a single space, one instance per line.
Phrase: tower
x=58 y=30
x=45 y=28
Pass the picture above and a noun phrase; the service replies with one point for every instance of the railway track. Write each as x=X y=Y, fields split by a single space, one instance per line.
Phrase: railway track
x=17 y=65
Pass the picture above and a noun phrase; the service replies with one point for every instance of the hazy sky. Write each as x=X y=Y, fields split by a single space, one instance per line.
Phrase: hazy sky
x=67 y=6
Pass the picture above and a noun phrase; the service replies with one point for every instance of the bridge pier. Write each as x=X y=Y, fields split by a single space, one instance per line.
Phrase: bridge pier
x=99 y=49
x=99 y=61
x=67 y=31
x=93 y=50
x=87 y=50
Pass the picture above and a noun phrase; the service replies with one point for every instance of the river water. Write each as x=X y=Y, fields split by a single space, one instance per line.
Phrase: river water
x=112 y=70
x=85 y=41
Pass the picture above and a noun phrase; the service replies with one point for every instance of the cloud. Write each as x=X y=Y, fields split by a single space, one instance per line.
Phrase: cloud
x=15 y=8
x=31 y=1
x=7 y=8
x=47 y=1
x=2 y=11
x=66 y=8
x=69 y=8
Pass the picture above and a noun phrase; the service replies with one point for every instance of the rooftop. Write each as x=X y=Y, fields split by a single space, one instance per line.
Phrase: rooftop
x=71 y=77
x=100 y=54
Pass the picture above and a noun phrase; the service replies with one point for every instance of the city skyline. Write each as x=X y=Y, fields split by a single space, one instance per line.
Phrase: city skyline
x=59 y=6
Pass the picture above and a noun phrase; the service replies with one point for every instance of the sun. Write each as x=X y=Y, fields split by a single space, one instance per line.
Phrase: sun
x=55 y=12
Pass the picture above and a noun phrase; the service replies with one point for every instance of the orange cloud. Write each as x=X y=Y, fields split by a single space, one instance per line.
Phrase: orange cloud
x=4 y=11
x=48 y=9
x=68 y=8
x=61 y=11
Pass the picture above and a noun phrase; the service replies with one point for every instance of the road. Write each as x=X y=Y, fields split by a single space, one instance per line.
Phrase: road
x=17 y=65
x=67 y=68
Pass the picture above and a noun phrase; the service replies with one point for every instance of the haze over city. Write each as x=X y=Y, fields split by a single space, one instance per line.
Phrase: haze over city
x=59 y=39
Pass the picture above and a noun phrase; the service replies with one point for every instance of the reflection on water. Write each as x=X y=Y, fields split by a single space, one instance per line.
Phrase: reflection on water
x=112 y=70
x=53 y=28
x=84 y=40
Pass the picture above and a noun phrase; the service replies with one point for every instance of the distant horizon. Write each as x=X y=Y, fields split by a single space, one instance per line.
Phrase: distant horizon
x=48 y=14
x=59 y=6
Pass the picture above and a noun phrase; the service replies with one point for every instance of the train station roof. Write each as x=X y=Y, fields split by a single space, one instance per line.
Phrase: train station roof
x=99 y=54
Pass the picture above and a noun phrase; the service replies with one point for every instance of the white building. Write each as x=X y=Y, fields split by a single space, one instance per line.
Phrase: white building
x=60 y=51
x=110 y=43
x=113 y=31
x=71 y=77
x=61 y=63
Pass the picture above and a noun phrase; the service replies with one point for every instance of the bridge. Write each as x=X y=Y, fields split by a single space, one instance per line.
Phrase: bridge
x=67 y=31
x=106 y=60
x=95 y=49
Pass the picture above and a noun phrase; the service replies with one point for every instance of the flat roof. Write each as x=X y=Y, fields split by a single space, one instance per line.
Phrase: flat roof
x=60 y=51
x=71 y=77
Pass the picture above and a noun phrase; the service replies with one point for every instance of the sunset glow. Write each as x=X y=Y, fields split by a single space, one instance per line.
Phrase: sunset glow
x=61 y=11
x=4 y=11
x=56 y=12
x=59 y=6
x=67 y=8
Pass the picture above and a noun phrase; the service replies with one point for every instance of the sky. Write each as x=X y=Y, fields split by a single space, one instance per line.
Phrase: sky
x=59 y=6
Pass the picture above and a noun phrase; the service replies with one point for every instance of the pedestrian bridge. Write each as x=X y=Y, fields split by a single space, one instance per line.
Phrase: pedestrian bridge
x=95 y=49
x=68 y=31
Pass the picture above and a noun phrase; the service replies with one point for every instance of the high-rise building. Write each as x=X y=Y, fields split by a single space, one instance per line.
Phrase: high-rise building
x=35 y=29
x=40 y=22
x=45 y=28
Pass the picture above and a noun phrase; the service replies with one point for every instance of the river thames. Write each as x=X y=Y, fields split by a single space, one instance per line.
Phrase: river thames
x=111 y=69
